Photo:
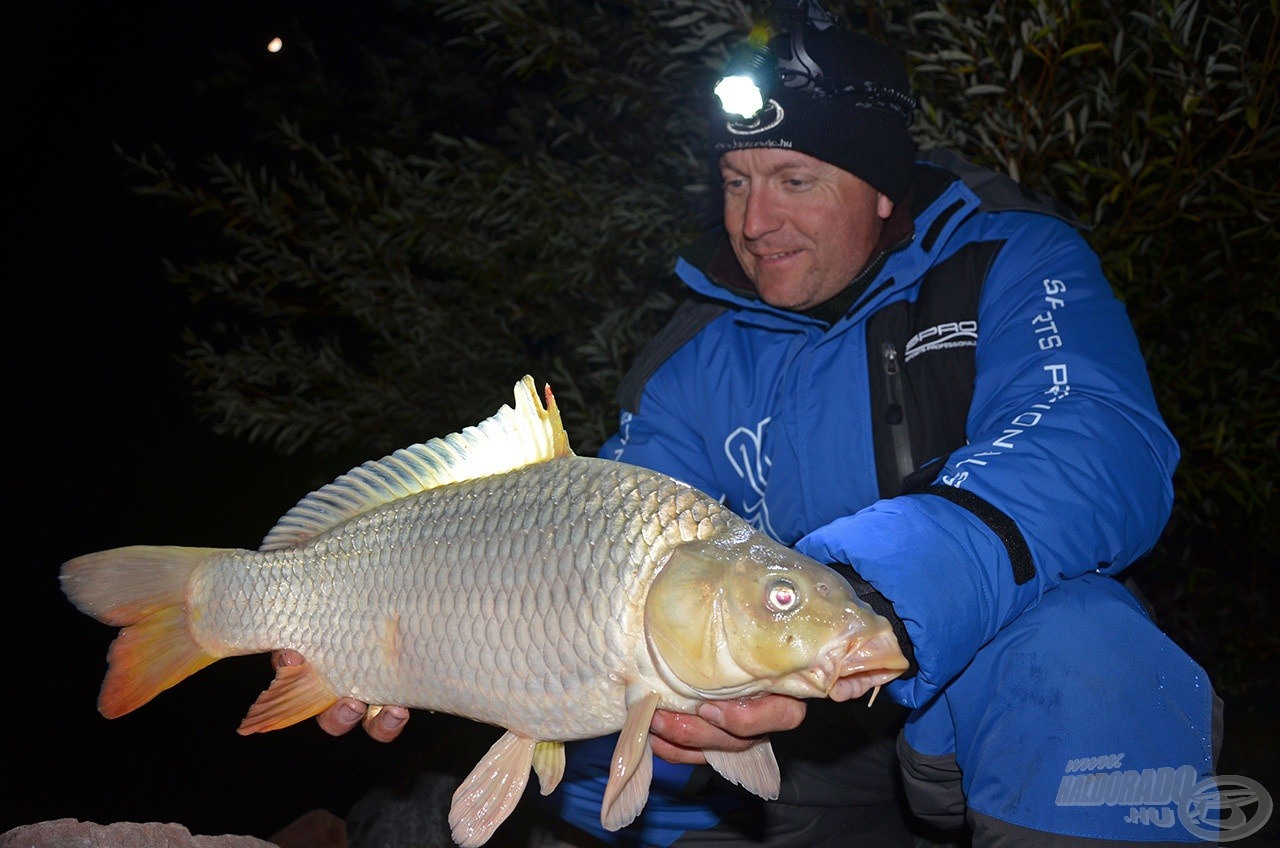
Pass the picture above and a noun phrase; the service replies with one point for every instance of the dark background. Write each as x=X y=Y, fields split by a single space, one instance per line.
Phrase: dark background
x=106 y=452
x=100 y=430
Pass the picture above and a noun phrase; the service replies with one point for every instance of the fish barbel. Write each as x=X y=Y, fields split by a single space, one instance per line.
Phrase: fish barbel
x=493 y=574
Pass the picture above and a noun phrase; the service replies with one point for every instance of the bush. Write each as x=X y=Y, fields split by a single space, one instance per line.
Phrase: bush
x=1159 y=126
x=505 y=186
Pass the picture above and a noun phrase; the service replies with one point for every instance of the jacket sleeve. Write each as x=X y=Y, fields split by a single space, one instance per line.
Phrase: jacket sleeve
x=1067 y=470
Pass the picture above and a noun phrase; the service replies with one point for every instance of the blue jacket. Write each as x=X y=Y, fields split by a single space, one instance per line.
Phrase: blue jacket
x=1030 y=455
x=1064 y=445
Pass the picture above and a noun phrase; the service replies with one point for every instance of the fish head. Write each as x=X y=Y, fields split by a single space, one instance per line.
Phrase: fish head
x=734 y=618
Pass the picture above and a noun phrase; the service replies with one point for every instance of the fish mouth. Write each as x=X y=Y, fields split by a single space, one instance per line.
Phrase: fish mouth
x=879 y=651
x=871 y=661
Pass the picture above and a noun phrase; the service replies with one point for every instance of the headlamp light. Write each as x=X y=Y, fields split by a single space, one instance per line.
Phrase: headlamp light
x=754 y=70
x=748 y=79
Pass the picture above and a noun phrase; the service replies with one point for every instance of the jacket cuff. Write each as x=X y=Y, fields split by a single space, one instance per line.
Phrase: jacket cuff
x=947 y=573
x=883 y=607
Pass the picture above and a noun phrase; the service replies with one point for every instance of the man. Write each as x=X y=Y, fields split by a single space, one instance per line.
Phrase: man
x=916 y=371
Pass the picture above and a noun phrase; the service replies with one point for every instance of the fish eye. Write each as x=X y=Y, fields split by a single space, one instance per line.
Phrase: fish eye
x=782 y=596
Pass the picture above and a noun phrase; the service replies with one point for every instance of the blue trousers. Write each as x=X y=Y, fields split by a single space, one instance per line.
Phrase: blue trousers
x=1080 y=719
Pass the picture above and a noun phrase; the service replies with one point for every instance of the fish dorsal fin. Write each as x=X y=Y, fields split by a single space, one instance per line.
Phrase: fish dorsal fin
x=510 y=439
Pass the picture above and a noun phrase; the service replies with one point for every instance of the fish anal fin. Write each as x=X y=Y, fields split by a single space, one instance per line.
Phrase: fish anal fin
x=488 y=795
x=631 y=769
x=147 y=658
x=755 y=769
x=296 y=693
x=548 y=763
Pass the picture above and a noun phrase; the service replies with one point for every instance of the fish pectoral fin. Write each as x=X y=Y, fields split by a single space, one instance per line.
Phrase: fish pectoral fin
x=488 y=795
x=755 y=769
x=296 y=693
x=632 y=767
x=548 y=762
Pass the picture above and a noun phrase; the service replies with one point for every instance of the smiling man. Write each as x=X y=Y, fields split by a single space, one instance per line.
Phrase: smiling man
x=801 y=228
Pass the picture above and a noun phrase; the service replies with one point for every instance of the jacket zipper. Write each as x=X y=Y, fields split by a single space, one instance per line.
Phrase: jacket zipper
x=896 y=413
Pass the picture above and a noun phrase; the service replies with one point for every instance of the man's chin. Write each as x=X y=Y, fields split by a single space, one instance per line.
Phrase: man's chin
x=784 y=295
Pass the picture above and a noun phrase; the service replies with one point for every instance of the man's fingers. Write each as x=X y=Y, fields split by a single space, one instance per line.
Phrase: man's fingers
x=384 y=723
x=341 y=717
x=280 y=659
x=722 y=726
x=755 y=717
x=675 y=753
x=690 y=732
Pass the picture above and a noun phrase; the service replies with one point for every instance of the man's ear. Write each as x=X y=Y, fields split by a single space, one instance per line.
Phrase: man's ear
x=884 y=206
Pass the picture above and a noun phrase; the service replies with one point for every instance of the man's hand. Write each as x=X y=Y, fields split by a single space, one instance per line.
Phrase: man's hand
x=381 y=723
x=677 y=737
x=723 y=726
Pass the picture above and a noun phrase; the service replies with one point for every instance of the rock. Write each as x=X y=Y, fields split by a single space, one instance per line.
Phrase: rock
x=316 y=829
x=70 y=833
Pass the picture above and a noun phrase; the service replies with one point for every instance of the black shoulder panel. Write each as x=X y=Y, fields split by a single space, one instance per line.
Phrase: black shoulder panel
x=999 y=192
x=690 y=317
x=920 y=363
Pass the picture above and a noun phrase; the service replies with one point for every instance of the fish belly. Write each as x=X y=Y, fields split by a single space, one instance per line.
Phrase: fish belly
x=514 y=599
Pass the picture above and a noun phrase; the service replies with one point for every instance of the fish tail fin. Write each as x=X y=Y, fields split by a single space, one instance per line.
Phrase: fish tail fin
x=148 y=658
x=142 y=589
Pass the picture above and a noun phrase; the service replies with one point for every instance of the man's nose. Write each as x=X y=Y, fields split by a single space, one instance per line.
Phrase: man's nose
x=761 y=214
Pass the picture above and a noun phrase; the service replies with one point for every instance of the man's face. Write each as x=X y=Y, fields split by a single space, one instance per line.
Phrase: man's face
x=802 y=229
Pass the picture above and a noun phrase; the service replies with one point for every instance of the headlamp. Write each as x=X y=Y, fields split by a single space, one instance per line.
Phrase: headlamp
x=754 y=71
x=748 y=78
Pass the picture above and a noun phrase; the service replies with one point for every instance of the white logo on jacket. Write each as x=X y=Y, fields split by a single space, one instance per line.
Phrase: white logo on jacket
x=743 y=447
x=950 y=334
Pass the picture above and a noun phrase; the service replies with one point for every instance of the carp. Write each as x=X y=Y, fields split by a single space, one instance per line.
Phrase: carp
x=494 y=574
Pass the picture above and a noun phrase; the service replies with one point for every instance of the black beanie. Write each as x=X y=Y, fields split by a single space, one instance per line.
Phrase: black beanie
x=858 y=118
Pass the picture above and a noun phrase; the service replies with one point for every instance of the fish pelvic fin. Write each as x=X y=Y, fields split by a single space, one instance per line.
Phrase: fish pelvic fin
x=142 y=589
x=755 y=769
x=512 y=438
x=548 y=764
x=295 y=694
x=631 y=769
x=489 y=794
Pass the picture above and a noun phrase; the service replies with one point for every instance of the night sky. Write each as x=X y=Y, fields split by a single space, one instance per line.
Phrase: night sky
x=99 y=422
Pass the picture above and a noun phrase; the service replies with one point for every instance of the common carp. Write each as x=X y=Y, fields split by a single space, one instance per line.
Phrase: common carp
x=494 y=574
